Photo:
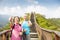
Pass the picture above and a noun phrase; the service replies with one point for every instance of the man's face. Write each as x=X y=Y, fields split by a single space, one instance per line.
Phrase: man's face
x=26 y=18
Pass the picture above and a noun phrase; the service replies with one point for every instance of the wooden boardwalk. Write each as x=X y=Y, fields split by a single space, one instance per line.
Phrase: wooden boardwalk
x=37 y=33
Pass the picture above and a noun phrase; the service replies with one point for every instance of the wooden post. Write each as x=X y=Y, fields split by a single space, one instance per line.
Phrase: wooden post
x=8 y=36
x=0 y=37
x=3 y=37
x=57 y=37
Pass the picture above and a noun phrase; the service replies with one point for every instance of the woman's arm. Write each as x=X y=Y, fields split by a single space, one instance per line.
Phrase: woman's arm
x=11 y=22
x=21 y=31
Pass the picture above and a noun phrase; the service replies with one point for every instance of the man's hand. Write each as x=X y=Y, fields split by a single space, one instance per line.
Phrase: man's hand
x=24 y=30
x=29 y=23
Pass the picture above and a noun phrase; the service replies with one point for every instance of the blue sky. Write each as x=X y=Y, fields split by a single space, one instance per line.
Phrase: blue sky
x=29 y=2
x=49 y=8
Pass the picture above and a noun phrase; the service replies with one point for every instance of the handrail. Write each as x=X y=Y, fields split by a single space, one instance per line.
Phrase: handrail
x=5 y=31
x=5 y=35
x=45 y=34
x=57 y=33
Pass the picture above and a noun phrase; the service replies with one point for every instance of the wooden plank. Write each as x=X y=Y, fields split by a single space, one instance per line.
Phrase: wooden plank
x=34 y=38
x=0 y=37
x=3 y=37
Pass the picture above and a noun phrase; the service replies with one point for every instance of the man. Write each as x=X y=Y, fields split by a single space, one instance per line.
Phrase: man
x=26 y=26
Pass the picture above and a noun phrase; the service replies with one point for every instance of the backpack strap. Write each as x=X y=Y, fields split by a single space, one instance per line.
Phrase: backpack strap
x=12 y=29
x=19 y=24
x=14 y=26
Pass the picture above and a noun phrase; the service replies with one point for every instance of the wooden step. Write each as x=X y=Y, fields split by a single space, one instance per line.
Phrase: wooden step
x=33 y=35
x=34 y=38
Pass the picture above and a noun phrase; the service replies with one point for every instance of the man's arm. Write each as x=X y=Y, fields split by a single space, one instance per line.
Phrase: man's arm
x=29 y=22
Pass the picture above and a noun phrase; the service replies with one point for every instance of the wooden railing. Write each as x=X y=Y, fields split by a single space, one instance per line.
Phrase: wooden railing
x=5 y=35
x=44 y=34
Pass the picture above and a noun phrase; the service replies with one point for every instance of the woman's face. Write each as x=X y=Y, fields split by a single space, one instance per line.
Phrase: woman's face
x=16 y=20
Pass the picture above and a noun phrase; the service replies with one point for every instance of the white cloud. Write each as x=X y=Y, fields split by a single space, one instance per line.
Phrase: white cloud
x=12 y=11
x=58 y=10
x=37 y=9
x=18 y=10
x=53 y=13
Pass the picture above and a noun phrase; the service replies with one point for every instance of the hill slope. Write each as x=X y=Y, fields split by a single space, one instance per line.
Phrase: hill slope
x=46 y=23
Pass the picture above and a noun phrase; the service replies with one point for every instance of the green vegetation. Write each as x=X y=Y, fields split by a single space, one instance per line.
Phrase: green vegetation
x=46 y=23
x=7 y=27
x=55 y=20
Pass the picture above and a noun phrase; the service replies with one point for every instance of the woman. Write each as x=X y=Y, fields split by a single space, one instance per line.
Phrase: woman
x=16 y=28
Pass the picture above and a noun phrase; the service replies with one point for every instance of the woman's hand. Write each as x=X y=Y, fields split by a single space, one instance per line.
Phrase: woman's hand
x=11 y=19
x=20 y=33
